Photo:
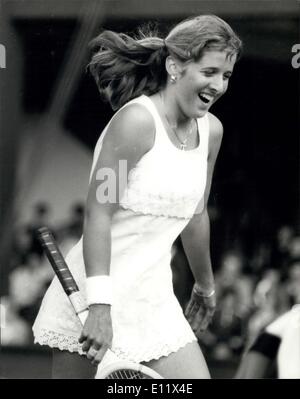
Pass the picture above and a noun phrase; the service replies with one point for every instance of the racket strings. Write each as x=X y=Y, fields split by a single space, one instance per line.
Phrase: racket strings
x=127 y=374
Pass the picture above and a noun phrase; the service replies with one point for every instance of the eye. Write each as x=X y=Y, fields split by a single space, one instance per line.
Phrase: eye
x=208 y=73
x=226 y=77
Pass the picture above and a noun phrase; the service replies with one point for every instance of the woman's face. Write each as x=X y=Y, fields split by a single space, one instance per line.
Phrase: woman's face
x=203 y=82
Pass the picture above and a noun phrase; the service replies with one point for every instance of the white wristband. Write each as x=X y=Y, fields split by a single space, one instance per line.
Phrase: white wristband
x=99 y=290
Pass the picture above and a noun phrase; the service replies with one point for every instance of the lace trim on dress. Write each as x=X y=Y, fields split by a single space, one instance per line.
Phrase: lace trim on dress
x=61 y=341
x=157 y=205
x=174 y=195
x=70 y=343
x=155 y=352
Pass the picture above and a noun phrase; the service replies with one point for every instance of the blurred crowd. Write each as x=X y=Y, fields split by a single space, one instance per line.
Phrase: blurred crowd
x=30 y=272
x=251 y=290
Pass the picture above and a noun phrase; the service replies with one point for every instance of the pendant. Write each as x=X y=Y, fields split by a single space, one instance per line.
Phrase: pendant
x=182 y=146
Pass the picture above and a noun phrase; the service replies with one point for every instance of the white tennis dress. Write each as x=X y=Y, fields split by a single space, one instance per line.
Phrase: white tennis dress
x=287 y=328
x=163 y=192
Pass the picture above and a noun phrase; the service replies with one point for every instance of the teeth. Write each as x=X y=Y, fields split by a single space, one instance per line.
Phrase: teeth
x=204 y=99
x=207 y=97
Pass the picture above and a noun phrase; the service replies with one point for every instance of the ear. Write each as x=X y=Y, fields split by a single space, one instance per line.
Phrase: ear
x=172 y=67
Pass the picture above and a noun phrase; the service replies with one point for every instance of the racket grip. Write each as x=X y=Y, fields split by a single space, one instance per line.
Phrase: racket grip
x=63 y=272
x=57 y=261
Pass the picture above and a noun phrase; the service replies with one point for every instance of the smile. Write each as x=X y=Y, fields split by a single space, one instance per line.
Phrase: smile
x=205 y=98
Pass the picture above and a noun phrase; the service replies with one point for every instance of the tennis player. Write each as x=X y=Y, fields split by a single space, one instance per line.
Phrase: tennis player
x=277 y=346
x=165 y=142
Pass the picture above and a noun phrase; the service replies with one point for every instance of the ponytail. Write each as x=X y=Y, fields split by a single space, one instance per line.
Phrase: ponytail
x=125 y=68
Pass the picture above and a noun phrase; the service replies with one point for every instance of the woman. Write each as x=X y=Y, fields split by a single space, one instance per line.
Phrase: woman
x=278 y=344
x=161 y=147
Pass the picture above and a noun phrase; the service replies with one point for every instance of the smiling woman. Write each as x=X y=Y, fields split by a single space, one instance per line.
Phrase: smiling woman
x=206 y=78
x=168 y=140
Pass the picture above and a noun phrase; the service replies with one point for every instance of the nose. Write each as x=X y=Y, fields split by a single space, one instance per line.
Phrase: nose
x=217 y=84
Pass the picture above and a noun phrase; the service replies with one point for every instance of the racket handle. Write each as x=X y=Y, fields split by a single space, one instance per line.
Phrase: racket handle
x=63 y=272
x=57 y=261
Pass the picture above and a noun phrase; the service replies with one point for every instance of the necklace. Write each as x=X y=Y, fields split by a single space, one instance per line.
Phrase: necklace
x=183 y=143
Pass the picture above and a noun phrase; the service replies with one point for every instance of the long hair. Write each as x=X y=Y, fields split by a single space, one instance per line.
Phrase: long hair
x=125 y=67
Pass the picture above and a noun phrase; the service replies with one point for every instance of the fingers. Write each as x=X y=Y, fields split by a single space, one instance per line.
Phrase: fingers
x=99 y=356
x=94 y=348
x=92 y=353
x=91 y=343
x=197 y=320
x=199 y=315
x=97 y=335
x=86 y=345
x=82 y=337
x=96 y=355
x=202 y=326
x=191 y=310
x=204 y=320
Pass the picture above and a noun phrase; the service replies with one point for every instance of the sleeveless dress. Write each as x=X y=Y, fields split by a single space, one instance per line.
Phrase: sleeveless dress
x=164 y=190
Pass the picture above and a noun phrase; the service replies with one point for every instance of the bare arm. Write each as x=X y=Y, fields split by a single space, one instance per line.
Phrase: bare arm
x=196 y=238
x=254 y=365
x=196 y=235
x=129 y=137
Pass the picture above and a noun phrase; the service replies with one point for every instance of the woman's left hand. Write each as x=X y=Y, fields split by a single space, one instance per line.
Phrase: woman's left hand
x=200 y=309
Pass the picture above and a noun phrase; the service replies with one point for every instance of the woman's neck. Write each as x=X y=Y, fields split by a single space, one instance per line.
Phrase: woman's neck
x=172 y=110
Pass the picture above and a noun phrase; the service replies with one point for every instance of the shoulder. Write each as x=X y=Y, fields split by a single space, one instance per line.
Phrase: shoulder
x=278 y=326
x=215 y=133
x=132 y=124
x=135 y=113
x=215 y=127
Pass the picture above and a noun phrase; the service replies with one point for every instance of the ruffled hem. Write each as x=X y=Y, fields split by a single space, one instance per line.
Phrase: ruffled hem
x=70 y=343
x=152 y=354
x=59 y=341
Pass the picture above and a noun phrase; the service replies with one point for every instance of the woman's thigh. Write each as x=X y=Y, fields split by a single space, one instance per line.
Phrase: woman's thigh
x=187 y=362
x=67 y=365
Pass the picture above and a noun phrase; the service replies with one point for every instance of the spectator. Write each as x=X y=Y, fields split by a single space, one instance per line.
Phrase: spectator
x=73 y=228
x=279 y=343
x=41 y=215
x=27 y=284
x=231 y=276
x=294 y=248
x=281 y=248
x=292 y=284
x=14 y=330
x=269 y=300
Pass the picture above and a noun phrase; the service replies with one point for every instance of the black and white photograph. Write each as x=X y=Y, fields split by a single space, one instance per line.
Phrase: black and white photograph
x=149 y=191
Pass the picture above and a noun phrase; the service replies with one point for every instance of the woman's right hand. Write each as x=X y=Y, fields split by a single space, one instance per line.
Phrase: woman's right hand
x=97 y=334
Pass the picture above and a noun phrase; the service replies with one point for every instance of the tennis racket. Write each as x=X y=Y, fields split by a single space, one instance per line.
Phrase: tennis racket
x=111 y=366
